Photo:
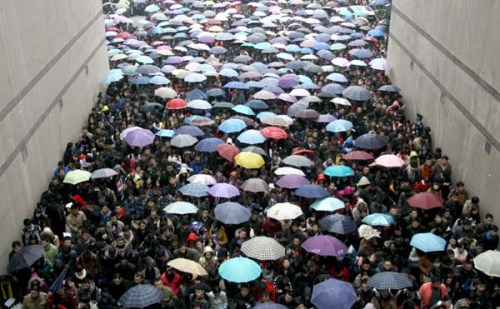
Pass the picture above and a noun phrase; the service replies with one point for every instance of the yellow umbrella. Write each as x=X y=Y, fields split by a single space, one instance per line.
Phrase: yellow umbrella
x=77 y=176
x=249 y=160
x=188 y=266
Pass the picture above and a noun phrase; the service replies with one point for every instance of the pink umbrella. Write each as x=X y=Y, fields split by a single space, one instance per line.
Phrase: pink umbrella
x=389 y=161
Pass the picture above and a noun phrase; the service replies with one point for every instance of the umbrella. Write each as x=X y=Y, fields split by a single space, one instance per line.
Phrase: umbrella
x=165 y=133
x=361 y=53
x=428 y=242
x=188 y=266
x=224 y=190
x=312 y=191
x=256 y=150
x=59 y=281
x=165 y=93
x=251 y=137
x=292 y=181
x=242 y=109
x=489 y=263
x=189 y=130
x=103 y=173
x=338 y=223
x=232 y=213
x=202 y=179
x=390 y=280
x=333 y=293
x=194 y=189
x=77 y=176
x=298 y=161
x=139 y=138
x=328 y=204
x=370 y=140
x=264 y=95
x=357 y=93
x=249 y=160
x=151 y=106
x=338 y=126
x=326 y=118
x=425 y=200
x=378 y=219
x=325 y=245
x=389 y=161
x=307 y=114
x=181 y=208
x=284 y=211
x=263 y=248
x=339 y=171
x=389 y=88
x=208 y=144
x=141 y=296
x=358 y=155
x=232 y=125
x=26 y=257
x=280 y=171
x=239 y=270
x=176 y=104
x=269 y=305
x=274 y=121
x=255 y=185
x=183 y=140
x=196 y=94
x=199 y=104
x=228 y=151
x=199 y=121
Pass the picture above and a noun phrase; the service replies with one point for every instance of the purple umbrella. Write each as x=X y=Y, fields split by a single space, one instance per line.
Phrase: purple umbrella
x=189 y=130
x=288 y=81
x=206 y=39
x=173 y=60
x=269 y=305
x=231 y=213
x=292 y=181
x=325 y=245
x=325 y=118
x=223 y=190
x=333 y=293
x=139 y=138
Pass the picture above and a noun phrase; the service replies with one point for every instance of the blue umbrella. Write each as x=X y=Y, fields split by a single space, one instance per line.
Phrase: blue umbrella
x=333 y=293
x=328 y=204
x=333 y=88
x=263 y=115
x=208 y=144
x=389 y=88
x=376 y=32
x=339 y=125
x=232 y=125
x=194 y=189
x=165 y=133
x=239 y=270
x=390 y=280
x=257 y=104
x=361 y=53
x=228 y=72
x=110 y=78
x=236 y=85
x=232 y=213
x=337 y=77
x=189 y=130
x=428 y=242
x=195 y=78
x=141 y=296
x=339 y=171
x=141 y=80
x=216 y=92
x=338 y=223
x=378 y=219
x=312 y=191
x=196 y=94
x=269 y=305
x=251 y=137
x=242 y=109
x=159 y=80
x=217 y=50
x=292 y=48
x=321 y=46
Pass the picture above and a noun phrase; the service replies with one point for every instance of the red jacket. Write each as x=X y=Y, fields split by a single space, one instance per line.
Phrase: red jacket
x=175 y=284
x=426 y=293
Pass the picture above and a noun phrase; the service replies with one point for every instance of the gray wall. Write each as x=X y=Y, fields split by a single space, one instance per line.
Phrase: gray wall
x=51 y=52
x=445 y=56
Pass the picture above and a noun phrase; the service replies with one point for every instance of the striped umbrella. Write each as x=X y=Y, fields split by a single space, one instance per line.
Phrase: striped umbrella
x=263 y=248
x=357 y=93
x=390 y=280
x=194 y=189
x=141 y=296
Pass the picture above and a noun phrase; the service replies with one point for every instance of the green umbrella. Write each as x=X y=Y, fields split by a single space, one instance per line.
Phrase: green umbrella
x=76 y=177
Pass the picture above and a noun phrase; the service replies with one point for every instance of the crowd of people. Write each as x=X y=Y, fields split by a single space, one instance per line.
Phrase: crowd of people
x=104 y=236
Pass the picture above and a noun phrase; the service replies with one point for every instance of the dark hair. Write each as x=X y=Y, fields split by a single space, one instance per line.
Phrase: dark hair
x=475 y=199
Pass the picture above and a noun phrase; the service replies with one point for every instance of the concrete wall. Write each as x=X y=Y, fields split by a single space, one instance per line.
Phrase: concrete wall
x=52 y=57
x=444 y=55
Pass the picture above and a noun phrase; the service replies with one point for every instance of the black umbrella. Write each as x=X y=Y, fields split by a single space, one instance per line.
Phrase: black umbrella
x=57 y=284
x=370 y=141
x=25 y=258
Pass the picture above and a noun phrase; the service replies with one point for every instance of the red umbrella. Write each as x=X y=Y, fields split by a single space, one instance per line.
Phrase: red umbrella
x=303 y=151
x=358 y=155
x=176 y=104
x=426 y=200
x=274 y=133
x=228 y=151
x=123 y=35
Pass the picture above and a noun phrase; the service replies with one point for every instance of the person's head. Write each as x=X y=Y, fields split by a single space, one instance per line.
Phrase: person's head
x=199 y=291
x=460 y=187
x=117 y=279
x=488 y=219
x=387 y=265
x=138 y=277
x=435 y=282
x=35 y=291
x=244 y=290
x=45 y=241
x=289 y=296
x=475 y=200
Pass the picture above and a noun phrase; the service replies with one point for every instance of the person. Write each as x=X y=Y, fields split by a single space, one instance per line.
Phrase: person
x=75 y=219
x=432 y=292
x=35 y=299
x=168 y=293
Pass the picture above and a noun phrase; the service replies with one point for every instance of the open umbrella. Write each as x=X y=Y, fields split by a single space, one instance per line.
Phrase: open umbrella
x=390 y=280
x=232 y=125
x=269 y=305
x=188 y=266
x=338 y=171
x=358 y=155
x=298 y=161
x=239 y=270
x=176 y=104
x=357 y=93
x=232 y=213
x=249 y=160
x=370 y=141
x=338 y=223
x=312 y=191
x=428 y=242
x=328 y=204
x=390 y=161
x=141 y=296
x=26 y=257
x=183 y=140
x=208 y=144
x=292 y=181
x=274 y=133
x=325 y=245
x=378 y=219
x=339 y=125
x=103 y=173
x=139 y=138
x=194 y=189
x=228 y=151
x=425 y=200
x=284 y=211
x=333 y=293
x=489 y=263
x=224 y=190
x=282 y=171
x=189 y=130
x=255 y=185
x=251 y=137
x=263 y=248
x=181 y=208
x=77 y=176
x=202 y=179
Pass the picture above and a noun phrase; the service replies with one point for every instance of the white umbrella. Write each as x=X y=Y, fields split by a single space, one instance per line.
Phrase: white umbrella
x=263 y=248
x=202 y=179
x=281 y=171
x=264 y=95
x=183 y=140
x=488 y=262
x=298 y=161
x=165 y=93
x=181 y=208
x=341 y=101
x=284 y=211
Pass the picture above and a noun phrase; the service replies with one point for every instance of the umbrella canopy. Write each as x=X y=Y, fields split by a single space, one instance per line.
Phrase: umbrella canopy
x=139 y=138
x=208 y=144
x=194 y=189
x=224 y=190
x=232 y=213
x=284 y=211
x=202 y=179
x=274 y=133
x=103 y=173
x=338 y=171
x=188 y=266
x=26 y=257
x=239 y=270
x=489 y=263
x=325 y=245
x=189 y=130
x=328 y=204
x=282 y=171
x=249 y=160
x=251 y=137
x=181 y=208
x=263 y=248
x=378 y=219
x=425 y=200
x=269 y=305
x=339 y=125
x=312 y=191
x=338 y=223
x=390 y=161
x=370 y=141
x=428 y=242
x=358 y=155
x=76 y=177
x=357 y=93
x=333 y=293
x=141 y=296
x=228 y=151
x=390 y=280
x=176 y=104
x=255 y=185
x=292 y=181
x=232 y=125
x=183 y=140
x=298 y=161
